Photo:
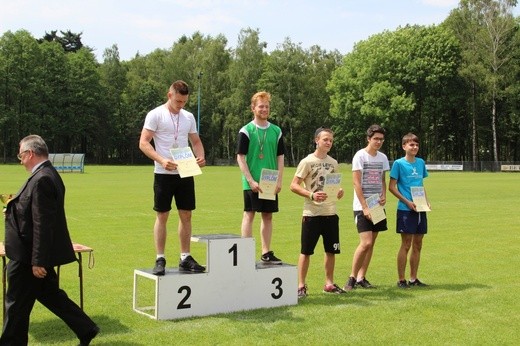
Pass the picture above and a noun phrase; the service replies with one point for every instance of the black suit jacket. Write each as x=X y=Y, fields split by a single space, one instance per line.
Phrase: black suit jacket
x=36 y=230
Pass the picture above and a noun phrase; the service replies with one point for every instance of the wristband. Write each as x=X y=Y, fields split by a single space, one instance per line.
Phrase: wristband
x=311 y=197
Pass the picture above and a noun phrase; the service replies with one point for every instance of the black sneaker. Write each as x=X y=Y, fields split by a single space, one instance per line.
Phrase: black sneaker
x=402 y=284
x=160 y=263
x=417 y=283
x=302 y=292
x=364 y=283
x=351 y=284
x=270 y=258
x=335 y=289
x=190 y=265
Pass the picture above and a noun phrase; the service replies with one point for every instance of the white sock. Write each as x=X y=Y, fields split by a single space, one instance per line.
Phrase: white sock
x=184 y=255
x=160 y=255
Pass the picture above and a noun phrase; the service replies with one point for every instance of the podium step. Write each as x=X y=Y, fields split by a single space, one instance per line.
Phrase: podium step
x=233 y=281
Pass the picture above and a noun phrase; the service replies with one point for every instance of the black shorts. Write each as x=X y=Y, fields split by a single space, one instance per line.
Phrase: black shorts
x=411 y=222
x=168 y=186
x=365 y=225
x=253 y=203
x=313 y=227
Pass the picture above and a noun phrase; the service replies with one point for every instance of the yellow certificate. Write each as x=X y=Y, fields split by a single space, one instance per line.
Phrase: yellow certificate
x=186 y=163
x=419 y=198
x=377 y=211
x=331 y=186
x=268 y=181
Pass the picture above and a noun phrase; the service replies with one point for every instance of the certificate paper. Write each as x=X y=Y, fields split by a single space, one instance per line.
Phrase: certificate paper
x=419 y=198
x=331 y=186
x=377 y=211
x=268 y=180
x=186 y=163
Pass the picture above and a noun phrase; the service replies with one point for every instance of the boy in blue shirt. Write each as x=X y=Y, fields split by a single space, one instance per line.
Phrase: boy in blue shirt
x=407 y=172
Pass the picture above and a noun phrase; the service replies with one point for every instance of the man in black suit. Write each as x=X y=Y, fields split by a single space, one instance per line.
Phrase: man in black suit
x=37 y=240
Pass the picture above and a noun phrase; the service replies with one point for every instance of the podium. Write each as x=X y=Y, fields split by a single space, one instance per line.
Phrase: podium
x=233 y=281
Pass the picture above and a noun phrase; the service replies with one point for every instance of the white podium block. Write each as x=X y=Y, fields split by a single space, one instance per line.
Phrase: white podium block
x=233 y=281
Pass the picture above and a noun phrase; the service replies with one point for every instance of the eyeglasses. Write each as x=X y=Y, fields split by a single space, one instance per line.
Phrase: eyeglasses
x=378 y=139
x=20 y=155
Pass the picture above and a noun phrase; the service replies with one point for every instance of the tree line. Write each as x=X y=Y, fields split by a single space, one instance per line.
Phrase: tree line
x=456 y=85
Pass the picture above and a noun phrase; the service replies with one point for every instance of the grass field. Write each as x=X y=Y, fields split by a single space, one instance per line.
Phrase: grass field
x=470 y=259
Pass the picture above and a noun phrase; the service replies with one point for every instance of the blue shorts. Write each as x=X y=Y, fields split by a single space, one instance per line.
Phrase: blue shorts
x=168 y=186
x=411 y=222
x=313 y=227
x=253 y=203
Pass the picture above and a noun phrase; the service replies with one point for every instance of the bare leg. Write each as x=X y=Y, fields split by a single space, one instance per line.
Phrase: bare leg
x=365 y=244
x=247 y=224
x=159 y=231
x=303 y=268
x=406 y=241
x=184 y=230
x=415 y=255
x=266 y=231
x=329 y=262
x=368 y=257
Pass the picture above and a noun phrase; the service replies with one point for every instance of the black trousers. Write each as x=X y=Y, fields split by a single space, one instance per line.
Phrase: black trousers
x=23 y=290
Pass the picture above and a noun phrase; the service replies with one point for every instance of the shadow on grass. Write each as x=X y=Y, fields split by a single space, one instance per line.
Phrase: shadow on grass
x=56 y=331
x=368 y=297
x=264 y=315
x=357 y=297
x=456 y=287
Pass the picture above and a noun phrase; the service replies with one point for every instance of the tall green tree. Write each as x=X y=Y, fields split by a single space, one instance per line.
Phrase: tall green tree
x=402 y=80
x=244 y=71
x=86 y=99
x=69 y=41
x=19 y=87
x=492 y=27
x=117 y=130
x=54 y=86
x=202 y=61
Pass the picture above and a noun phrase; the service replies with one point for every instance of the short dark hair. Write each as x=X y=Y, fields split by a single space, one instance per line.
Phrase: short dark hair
x=322 y=129
x=180 y=87
x=410 y=137
x=375 y=129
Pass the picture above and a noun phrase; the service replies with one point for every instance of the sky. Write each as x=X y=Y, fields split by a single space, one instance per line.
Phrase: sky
x=138 y=26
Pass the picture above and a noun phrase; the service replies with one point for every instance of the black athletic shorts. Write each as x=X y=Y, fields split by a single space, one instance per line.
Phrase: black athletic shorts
x=365 y=225
x=253 y=203
x=168 y=186
x=313 y=227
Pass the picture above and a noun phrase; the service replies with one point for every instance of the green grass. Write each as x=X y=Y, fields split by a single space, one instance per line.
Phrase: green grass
x=470 y=258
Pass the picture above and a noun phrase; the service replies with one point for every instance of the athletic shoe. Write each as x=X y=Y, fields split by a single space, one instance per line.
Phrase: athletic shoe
x=417 y=283
x=333 y=289
x=270 y=258
x=160 y=263
x=402 y=284
x=190 y=265
x=302 y=292
x=364 y=283
x=351 y=284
